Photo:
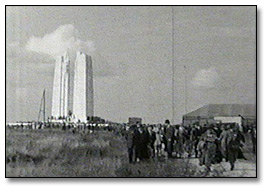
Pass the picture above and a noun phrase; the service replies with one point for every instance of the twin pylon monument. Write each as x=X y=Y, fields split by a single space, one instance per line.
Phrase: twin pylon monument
x=73 y=87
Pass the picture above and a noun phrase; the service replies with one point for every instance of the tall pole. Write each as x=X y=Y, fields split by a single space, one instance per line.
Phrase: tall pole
x=44 y=105
x=173 y=69
x=186 y=110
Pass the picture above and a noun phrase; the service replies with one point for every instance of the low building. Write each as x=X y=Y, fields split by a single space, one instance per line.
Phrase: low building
x=134 y=120
x=222 y=113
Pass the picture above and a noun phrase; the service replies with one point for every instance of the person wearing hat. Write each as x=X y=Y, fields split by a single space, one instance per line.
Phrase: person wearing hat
x=223 y=141
x=169 y=135
x=141 y=140
x=208 y=154
x=130 y=142
x=233 y=147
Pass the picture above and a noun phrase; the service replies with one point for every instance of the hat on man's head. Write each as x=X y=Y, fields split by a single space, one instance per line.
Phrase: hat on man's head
x=167 y=121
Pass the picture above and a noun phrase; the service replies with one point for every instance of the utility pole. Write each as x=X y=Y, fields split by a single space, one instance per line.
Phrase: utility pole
x=186 y=108
x=173 y=68
x=44 y=105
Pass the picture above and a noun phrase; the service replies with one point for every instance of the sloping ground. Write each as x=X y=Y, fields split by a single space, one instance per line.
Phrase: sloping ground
x=56 y=153
x=243 y=168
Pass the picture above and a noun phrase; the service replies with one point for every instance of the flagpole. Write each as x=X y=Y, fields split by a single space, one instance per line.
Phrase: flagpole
x=44 y=105
x=186 y=108
x=173 y=69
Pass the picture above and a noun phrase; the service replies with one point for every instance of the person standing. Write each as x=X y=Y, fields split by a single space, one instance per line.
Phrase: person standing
x=233 y=147
x=252 y=132
x=208 y=154
x=194 y=138
x=169 y=135
x=181 y=138
x=158 y=141
x=130 y=143
x=145 y=141
x=223 y=141
x=141 y=140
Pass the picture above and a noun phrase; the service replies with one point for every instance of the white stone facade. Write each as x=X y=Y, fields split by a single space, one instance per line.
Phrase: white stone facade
x=78 y=83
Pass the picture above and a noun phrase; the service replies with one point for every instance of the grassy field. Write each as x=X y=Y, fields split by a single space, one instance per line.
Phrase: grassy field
x=57 y=153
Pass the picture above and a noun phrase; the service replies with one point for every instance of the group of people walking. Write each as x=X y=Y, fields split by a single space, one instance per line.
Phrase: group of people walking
x=211 y=144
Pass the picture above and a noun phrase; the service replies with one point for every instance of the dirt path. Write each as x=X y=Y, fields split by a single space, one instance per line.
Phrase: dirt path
x=243 y=168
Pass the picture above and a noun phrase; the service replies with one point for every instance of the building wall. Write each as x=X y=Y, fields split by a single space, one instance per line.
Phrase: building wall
x=64 y=85
x=60 y=87
x=56 y=89
x=73 y=87
x=199 y=121
x=89 y=87
x=229 y=120
x=134 y=120
x=83 y=87
x=70 y=86
x=79 y=102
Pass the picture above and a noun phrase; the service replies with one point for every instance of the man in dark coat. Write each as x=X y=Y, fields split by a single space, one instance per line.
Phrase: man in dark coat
x=194 y=138
x=141 y=140
x=145 y=140
x=241 y=139
x=233 y=147
x=130 y=143
x=169 y=135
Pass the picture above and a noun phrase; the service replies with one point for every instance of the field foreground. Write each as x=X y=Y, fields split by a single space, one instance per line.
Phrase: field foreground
x=57 y=153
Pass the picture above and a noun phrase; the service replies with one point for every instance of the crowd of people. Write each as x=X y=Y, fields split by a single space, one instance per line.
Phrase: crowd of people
x=80 y=127
x=211 y=144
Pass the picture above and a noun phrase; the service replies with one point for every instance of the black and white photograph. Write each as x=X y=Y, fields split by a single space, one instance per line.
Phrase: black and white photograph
x=131 y=91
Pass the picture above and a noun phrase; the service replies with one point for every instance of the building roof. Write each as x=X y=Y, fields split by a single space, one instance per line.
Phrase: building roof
x=224 y=110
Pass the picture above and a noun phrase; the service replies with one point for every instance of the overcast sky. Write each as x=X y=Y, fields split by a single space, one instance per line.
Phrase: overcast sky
x=131 y=48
